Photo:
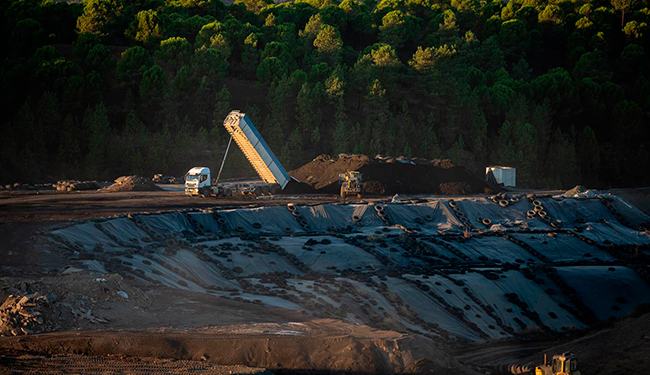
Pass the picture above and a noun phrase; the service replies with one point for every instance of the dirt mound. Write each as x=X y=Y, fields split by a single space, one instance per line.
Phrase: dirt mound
x=132 y=183
x=323 y=346
x=388 y=175
x=297 y=187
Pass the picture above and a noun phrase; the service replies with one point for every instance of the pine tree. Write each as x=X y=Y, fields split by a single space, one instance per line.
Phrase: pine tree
x=69 y=153
x=97 y=124
x=203 y=104
x=430 y=144
x=342 y=131
x=134 y=135
x=456 y=151
x=588 y=156
x=295 y=148
x=221 y=108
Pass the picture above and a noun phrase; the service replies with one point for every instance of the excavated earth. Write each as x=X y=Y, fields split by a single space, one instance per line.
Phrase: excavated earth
x=388 y=175
x=429 y=284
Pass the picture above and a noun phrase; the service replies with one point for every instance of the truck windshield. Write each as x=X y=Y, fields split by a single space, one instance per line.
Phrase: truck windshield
x=192 y=177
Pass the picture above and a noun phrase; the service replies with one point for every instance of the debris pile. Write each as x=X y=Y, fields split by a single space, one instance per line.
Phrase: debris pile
x=159 y=178
x=70 y=300
x=580 y=191
x=21 y=315
x=73 y=185
x=20 y=186
x=391 y=175
x=132 y=183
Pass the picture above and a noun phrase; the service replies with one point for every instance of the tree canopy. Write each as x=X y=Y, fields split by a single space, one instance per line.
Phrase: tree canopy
x=559 y=90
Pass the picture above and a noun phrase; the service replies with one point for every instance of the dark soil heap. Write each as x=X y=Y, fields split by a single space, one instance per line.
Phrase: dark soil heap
x=388 y=175
x=132 y=183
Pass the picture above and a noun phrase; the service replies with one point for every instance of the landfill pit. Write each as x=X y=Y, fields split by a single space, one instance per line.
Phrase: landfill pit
x=468 y=270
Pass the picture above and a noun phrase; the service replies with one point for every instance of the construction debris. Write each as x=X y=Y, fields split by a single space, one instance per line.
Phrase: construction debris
x=159 y=178
x=132 y=183
x=74 y=185
x=21 y=315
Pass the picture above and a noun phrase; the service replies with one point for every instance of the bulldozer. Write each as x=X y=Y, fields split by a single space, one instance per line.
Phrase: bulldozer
x=562 y=364
x=351 y=184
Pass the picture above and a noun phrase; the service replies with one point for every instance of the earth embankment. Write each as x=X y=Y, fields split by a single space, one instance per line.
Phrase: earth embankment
x=388 y=176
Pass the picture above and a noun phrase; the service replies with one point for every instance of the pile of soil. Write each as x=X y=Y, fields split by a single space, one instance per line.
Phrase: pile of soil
x=297 y=187
x=388 y=175
x=132 y=183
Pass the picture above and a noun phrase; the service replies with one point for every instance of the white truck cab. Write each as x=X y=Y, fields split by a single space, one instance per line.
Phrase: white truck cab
x=197 y=181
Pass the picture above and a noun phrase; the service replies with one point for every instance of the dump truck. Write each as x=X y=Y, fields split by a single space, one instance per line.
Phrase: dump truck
x=198 y=183
x=258 y=153
x=562 y=364
x=351 y=184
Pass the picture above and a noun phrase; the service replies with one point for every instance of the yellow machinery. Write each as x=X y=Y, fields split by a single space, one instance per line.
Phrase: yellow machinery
x=351 y=184
x=562 y=364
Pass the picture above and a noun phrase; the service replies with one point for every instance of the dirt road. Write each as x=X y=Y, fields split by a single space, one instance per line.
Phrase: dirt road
x=18 y=363
x=52 y=206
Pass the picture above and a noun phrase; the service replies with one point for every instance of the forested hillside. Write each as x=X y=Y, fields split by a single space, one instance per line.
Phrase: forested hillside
x=558 y=89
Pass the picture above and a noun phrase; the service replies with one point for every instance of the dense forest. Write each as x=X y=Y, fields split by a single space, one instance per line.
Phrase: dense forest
x=558 y=89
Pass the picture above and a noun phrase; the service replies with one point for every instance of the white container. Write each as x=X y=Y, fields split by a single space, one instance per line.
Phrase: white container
x=506 y=176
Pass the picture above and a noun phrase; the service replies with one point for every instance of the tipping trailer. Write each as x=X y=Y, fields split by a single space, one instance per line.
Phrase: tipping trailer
x=258 y=153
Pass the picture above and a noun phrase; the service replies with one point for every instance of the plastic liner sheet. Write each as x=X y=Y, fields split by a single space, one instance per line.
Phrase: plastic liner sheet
x=84 y=235
x=367 y=293
x=167 y=224
x=511 y=216
x=571 y=211
x=455 y=297
x=271 y=220
x=95 y=266
x=632 y=214
x=428 y=218
x=607 y=291
x=563 y=247
x=254 y=263
x=124 y=229
x=429 y=309
x=597 y=221
x=397 y=255
x=337 y=254
x=492 y=248
x=323 y=217
x=529 y=292
x=188 y=250
x=613 y=233
x=309 y=286
x=206 y=221
x=197 y=269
